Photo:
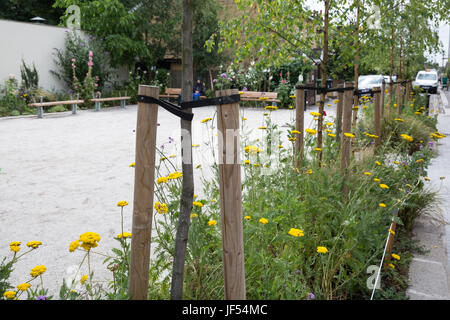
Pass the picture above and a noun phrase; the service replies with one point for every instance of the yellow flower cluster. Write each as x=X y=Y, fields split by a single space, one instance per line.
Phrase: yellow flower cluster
x=37 y=271
x=15 y=246
x=371 y=135
x=296 y=132
x=296 y=232
x=9 y=294
x=197 y=204
x=205 y=120
x=350 y=135
x=89 y=240
x=271 y=108
x=74 y=245
x=322 y=249
x=311 y=131
x=399 y=120
x=122 y=203
x=383 y=186
x=124 y=235
x=263 y=220
x=194 y=215
x=407 y=138
x=171 y=176
x=23 y=286
x=34 y=244
x=315 y=114
x=212 y=223
x=252 y=149
x=132 y=165
x=437 y=135
x=84 y=278
x=161 y=207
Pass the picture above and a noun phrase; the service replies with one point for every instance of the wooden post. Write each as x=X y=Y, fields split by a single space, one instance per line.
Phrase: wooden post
x=346 y=128
x=147 y=116
x=399 y=99
x=390 y=243
x=40 y=109
x=231 y=198
x=382 y=98
x=300 y=104
x=377 y=115
x=407 y=93
x=391 y=99
x=339 y=110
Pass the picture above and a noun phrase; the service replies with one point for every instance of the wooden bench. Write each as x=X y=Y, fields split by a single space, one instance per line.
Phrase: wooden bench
x=259 y=96
x=173 y=93
x=99 y=100
x=41 y=105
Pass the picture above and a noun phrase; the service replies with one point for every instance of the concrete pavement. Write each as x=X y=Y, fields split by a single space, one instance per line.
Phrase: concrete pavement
x=429 y=272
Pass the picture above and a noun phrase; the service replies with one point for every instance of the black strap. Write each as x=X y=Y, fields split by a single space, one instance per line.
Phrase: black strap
x=172 y=108
x=324 y=90
x=211 y=102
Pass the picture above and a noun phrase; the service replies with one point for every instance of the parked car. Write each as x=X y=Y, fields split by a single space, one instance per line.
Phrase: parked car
x=368 y=82
x=427 y=80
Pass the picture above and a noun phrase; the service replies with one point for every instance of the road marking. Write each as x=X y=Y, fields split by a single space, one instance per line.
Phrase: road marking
x=431 y=296
x=426 y=261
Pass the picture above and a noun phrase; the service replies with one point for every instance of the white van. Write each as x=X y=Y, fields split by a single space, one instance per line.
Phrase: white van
x=427 y=80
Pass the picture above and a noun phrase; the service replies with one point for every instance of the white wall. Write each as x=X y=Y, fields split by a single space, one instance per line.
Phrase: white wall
x=34 y=43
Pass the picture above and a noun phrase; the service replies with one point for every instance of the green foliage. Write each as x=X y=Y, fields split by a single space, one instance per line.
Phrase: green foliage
x=76 y=53
x=24 y=10
x=12 y=100
x=30 y=77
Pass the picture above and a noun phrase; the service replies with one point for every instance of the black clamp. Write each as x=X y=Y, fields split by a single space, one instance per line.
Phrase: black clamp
x=211 y=102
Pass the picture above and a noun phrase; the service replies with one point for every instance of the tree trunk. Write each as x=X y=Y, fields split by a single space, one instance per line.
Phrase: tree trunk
x=324 y=79
x=187 y=193
x=356 y=74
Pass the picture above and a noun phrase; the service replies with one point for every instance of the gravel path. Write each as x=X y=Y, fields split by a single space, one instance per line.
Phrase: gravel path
x=63 y=175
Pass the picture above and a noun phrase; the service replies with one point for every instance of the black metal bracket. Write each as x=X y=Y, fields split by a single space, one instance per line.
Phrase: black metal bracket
x=172 y=108
x=211 y=102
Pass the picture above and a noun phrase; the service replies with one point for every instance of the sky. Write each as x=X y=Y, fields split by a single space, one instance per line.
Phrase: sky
x=443 y=33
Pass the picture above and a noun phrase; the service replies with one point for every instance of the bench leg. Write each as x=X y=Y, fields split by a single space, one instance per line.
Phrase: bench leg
x=122 y=104
x=97 y=106
x=40 y=112
x=74 y=109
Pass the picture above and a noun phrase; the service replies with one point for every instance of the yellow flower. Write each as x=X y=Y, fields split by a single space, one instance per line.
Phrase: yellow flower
x=309 y=171
x=174 y=175
x=198 y=166
x=89 y=240
x=212 y=223
x=15 y=246
x=262 y=127
x=122 y=203
x=311 y=131
x=196 y=145
x=317 y=149
x=247 y=217
x=316 y=114
x=124 y=235
x=332 y=135
x=407 y=138
x=378 y=163
x=322 y=250
x=291 y=96
x=252 y=149
x=205 y=120
x=392 y=232
x=382 y=205
x=132 y=165
x=291 y=107
x=350 y=135
x=296 y=232
x=263 y=220
x=292 y=139
x=391 y=265
x=9 y=294
x=243 y=119
x=383 y=186
x=161 y=207
x=426 y=179
x=367 y=173
x=376 y=180
x=395 y=256
x=37 y=271
x=197 y=204
x=329 y=124
x=34 y=244
x=280 y=146
x=74 y=245
x=420 y=160
x=271 y=108
x=247 y=162
x=399 y=120
x=84 y=278
x=23 y=286
x=194 y=215
x=172 y=156
x=296 y=131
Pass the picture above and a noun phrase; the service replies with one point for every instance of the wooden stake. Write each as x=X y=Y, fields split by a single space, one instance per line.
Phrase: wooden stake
x=339 y=110
x=147 y=116
x=346 y=127
x=399 y=99
x=382 y=98
x=299 y=124
x=231 y=198
x=377 y=115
